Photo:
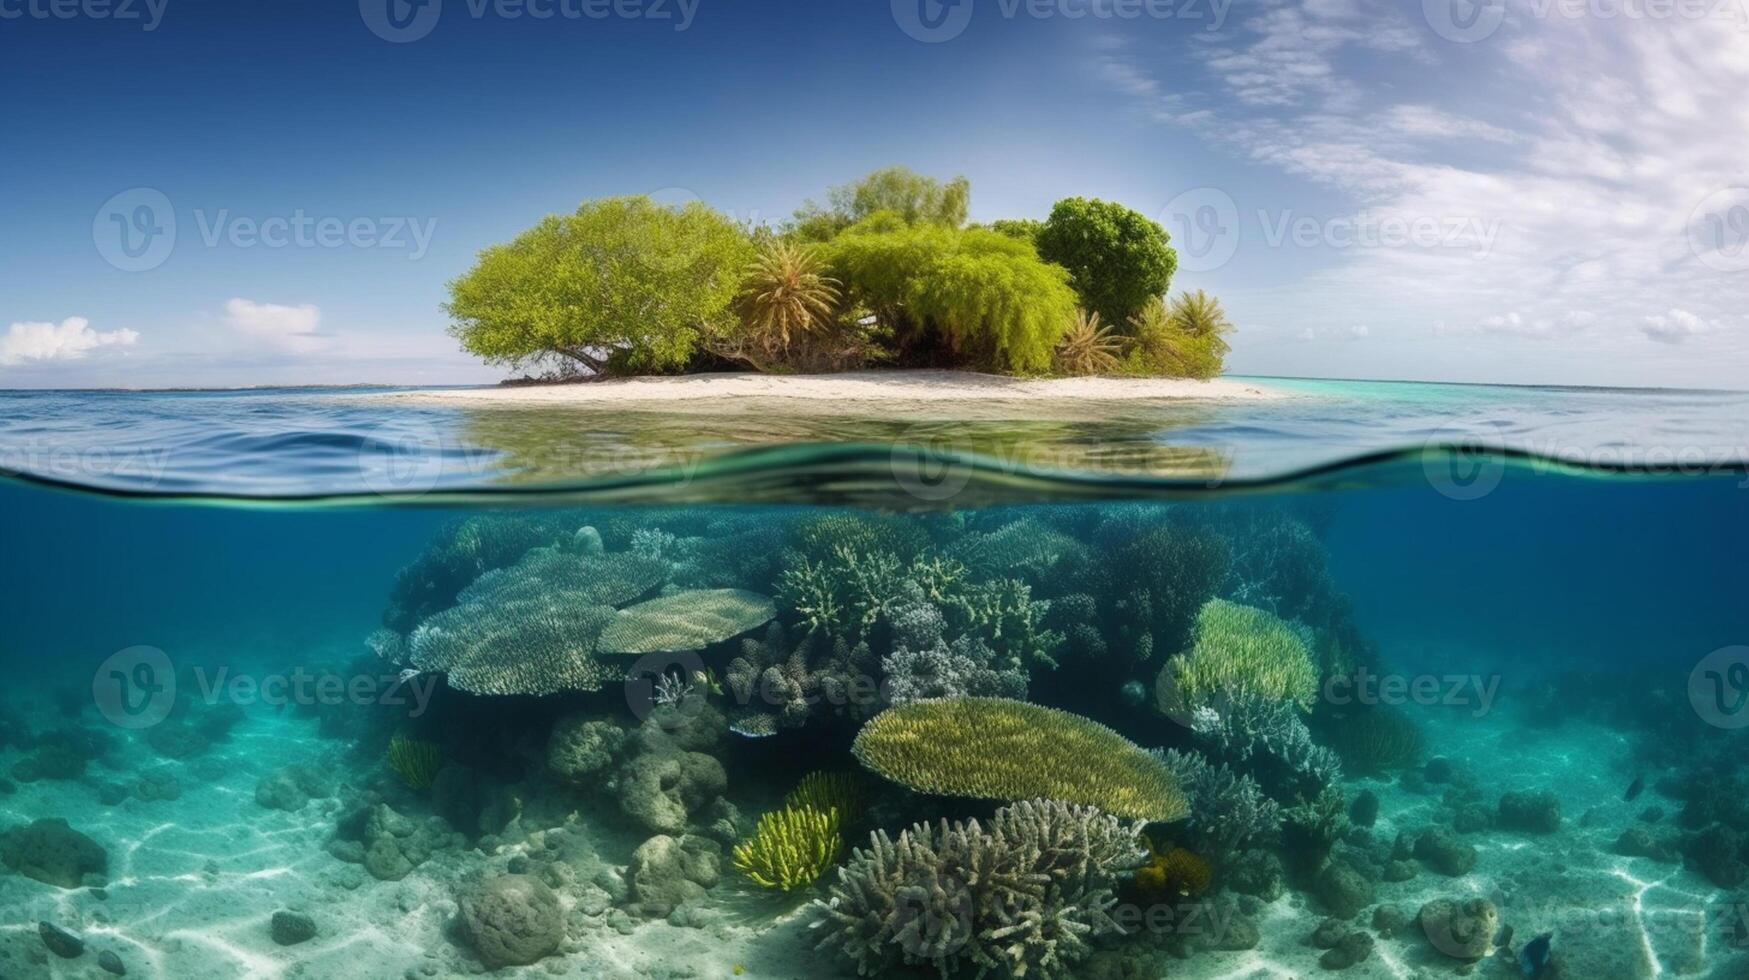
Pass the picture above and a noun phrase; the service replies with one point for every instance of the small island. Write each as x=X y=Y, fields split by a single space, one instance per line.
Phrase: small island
x=885 y=292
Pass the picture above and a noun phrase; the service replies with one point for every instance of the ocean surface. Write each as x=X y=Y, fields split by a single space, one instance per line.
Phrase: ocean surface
x=1383 y=679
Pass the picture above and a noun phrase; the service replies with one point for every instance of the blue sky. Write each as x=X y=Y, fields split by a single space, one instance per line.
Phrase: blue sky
x=1522 y=191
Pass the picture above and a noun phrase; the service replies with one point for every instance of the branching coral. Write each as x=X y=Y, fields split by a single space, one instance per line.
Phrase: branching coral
x=924 y=664
x=1238 y=650
x=1026 y=897
x=1026 y=549
x=1311 y=829
x=791 y=847
x=999 y=749
x=794 y=845
x=462 y=552
x=1228 y=811
x=1269 y=740
x=778 y=682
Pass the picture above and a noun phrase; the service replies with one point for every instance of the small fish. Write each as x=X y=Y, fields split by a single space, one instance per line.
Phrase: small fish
x=1533 y=959
x=1635 y=788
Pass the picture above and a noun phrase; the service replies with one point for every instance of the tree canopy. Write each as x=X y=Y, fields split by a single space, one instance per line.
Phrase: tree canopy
x=887 y=271
x=623 y=281
x=1118 y=259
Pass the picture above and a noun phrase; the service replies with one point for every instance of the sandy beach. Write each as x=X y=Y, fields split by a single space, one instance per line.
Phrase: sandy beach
x=855 y=392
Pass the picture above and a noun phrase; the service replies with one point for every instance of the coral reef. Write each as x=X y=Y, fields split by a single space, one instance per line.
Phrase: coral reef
x=1228 y=810
x=668 y=872
x=994 y=748
x=1371 y=740
x=1027 y=896
x=1462 y=930
x=1267 y=739
x=1310 y=830
x=1237 y=651
x=1532 y=813
x=461 y=553
x=1170 y=874
x=781 y=681
x=795 y=844
x=1168 y=574
x=682 y=621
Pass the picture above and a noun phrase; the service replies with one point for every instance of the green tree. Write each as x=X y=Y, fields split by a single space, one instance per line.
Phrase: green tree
x=948 y=296
x=912 y=197
x=624 y=285
x=1117 y=258
x=1025 y=229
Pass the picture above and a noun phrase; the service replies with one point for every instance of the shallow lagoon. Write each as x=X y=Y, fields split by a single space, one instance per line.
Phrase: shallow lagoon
x=1499 y=651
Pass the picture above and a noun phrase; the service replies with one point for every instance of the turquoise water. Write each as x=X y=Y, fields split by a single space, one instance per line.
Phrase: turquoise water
x=504 y=694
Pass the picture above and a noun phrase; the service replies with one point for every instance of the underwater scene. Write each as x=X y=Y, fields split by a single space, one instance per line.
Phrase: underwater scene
x=1387 y=723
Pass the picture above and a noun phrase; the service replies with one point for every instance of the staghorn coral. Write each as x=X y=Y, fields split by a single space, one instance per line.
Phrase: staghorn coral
x=1311 y=829
x=1025 y=549
x=778 y=683
x=1025 y=897
x=924 y=664
x=820 y=535
x=690 y=620
x=1000 y=749
x=414 y=761
x=1238 y=650
x=1228 y=811
x=1267 y=739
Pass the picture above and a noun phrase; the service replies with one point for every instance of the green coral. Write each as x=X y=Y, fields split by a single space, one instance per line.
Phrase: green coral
x=794 y=845
x=690 y=620
x=1237 y=650
x=1000 y=749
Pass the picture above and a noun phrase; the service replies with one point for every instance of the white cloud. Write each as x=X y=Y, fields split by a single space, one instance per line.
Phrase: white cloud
x=291 y=328
x=1673 y=327
x=1357 y=331
x=69 y=340
x=1591 y=144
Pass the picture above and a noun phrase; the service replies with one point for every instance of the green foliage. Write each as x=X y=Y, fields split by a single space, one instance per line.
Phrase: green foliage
x=1181 y=339
x=1025 y=229
x=907 y=195
x=624 y=285
x=1000 y=749
x=1089 y=348
x=1118 y=258
x=973 y=297
x=417 y=762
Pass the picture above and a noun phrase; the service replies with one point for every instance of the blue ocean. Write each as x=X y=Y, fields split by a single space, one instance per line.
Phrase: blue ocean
x=1391 y=680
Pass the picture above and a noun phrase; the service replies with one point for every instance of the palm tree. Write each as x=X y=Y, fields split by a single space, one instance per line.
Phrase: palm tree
x=1200 y=315
x=785 y=296
x=1088 y=348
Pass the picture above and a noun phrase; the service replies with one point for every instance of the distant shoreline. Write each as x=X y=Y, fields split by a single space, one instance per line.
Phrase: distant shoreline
x=851 y=391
